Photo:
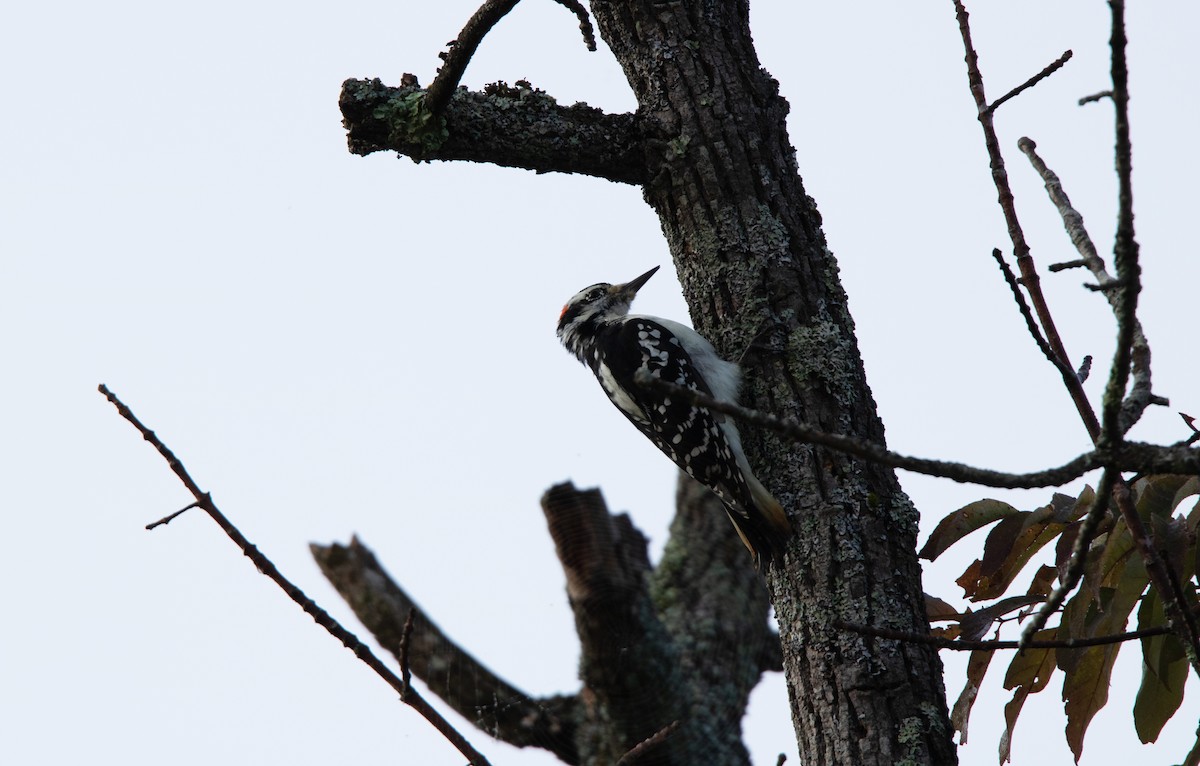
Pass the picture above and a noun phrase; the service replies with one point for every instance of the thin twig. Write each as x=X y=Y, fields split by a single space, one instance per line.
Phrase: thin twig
x=1131 y=456
x=1015 y=287
x=319 y=615
x=1075 y=264
x=963 y=645
x=168 y=519
x=1096 y=97
x=654 y=740
x=1049 y=70
x=878 y=453
x=585 y=21
x=402 y=651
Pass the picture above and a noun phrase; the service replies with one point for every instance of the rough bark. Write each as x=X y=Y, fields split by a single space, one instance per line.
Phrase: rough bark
x=669 y=656
x=718 y=168
x=754 y=265
x=517 y=127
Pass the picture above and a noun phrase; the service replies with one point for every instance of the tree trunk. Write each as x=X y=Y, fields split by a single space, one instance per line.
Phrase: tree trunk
x=757 y=275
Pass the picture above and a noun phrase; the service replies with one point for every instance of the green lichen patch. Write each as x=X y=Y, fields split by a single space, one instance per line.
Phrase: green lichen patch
x=410 y=122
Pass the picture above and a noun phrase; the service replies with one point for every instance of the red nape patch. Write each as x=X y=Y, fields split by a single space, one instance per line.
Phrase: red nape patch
x=564 y=310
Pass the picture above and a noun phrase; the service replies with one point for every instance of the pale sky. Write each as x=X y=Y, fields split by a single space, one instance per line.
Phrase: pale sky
x=337 y=345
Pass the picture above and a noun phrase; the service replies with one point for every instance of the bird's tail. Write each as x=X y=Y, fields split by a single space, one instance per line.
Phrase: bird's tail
x=765 y=528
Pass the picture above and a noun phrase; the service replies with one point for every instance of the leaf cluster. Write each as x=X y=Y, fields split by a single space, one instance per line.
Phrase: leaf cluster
x=1115 y=584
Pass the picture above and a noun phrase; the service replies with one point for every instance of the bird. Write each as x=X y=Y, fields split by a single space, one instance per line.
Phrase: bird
x=595 y=325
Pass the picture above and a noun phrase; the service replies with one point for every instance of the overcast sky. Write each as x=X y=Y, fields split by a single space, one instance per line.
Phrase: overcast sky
x=337 y=345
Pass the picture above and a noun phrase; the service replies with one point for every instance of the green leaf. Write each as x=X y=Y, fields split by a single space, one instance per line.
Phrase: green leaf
x=1160 y=495
x=1164 y=673
x=963 y=522
x=1088 y=671
x=1085 y=691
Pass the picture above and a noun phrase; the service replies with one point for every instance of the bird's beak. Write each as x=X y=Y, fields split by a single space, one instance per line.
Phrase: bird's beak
x=629 y=289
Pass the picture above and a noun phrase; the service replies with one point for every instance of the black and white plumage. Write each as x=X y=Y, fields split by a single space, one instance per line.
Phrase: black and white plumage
x=596 y=327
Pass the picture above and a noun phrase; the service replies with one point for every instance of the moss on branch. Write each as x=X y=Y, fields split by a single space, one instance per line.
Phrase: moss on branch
x=510 y=126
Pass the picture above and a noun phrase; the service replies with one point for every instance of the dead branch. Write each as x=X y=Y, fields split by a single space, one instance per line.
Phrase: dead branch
x=448 y=670
x=264 y=565
x=463 y=47
x=991 y=646
x=1129 y=456
x=1110 y=436
x=1050 y=69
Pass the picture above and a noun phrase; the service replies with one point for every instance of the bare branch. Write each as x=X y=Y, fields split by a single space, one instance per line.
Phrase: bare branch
x=464 y=46
x=1130 y=456
x=319 y=615
x=1140 y=393
x=448 y=670
x=461 y=50
x=1049 y=70
x=1096 y=97
x=637 y=751
x=1125 y=252
x=1025 y=264
x=405 y=638
x=1034 y=331
x=988 y=646
x=585 y=21
x=168 y=519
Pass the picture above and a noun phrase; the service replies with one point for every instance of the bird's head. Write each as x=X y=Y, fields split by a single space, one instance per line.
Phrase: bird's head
x=595 y=305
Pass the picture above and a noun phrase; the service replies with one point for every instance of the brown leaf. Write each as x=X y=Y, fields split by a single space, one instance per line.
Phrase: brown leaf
x=976 y=624
x=1043 y=581
x=937 y=610
x=1014 y=541
x=969 y=579
x=977 y=666
x=961 y=523
x=1029 y=672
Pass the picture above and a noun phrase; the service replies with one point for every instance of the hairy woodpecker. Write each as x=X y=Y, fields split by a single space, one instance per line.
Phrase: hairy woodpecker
x=596 y=327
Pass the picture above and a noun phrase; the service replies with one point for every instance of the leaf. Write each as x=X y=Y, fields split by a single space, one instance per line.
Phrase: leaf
x=977 y=666
x=937 y=610
x=1164 y=673
x=1160 y=495
x=1085 y=691
x=969 y=579
x=1029 y=673
x=963 y=522
x=1043 y=581
x=1015 y=540
x=1088 y=671
x=975 y=624
x=1032 y=668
